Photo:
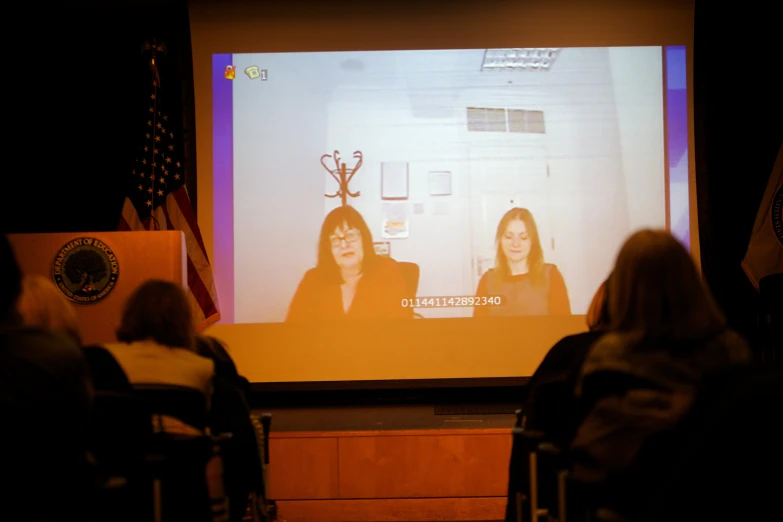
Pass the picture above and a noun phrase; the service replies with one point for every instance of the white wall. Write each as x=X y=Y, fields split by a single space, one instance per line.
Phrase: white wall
x=603 y=147
x=589 y=207
x=638 y=92
x=279 y=134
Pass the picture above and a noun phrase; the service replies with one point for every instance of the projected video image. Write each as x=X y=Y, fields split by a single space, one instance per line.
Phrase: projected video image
x=437 y=184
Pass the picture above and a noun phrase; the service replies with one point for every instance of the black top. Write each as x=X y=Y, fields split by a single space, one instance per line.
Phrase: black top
x=225 y=367
x=551 y=408
x=106 y=372
x=551 y=401
x=45 y=403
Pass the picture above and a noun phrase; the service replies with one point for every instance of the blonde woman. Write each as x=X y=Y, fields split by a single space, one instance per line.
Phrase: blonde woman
x=524 y=282
x=41 y=304
x=46 y=407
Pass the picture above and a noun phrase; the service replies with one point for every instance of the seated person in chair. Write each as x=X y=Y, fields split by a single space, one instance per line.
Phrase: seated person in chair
x=639 y=380
x=551 y=407
x=225 y=368
x=159 y=345
x=42 y=305
x=349 y=280
x=243 y=473
x=45 y=405
x=157 y=340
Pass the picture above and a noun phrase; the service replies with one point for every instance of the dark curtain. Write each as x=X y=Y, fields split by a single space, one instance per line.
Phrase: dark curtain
x=81 y=101
x=738 y=103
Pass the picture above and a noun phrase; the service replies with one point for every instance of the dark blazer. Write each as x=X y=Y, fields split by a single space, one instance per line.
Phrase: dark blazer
x=231 y=414
x=551 y=402
x=551 y=406
x=224 y=365
x=379 y=295
x=45 y=407
x=635 y=392
x=105 y=371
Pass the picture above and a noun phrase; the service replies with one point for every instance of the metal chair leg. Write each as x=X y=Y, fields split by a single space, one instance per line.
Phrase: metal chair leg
x=266 y=423
x=520 y=502
x=535 y=512
x=562 y=479
x=157 y=508
x=533 y=487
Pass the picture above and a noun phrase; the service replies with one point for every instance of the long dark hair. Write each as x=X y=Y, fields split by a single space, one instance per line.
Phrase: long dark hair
x=158 y=310
x=337 y=218
x=535 y=260
x=656 y=292
x=598 y=313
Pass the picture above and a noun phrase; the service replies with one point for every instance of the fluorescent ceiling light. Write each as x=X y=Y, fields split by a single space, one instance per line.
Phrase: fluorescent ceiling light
x=527 y=59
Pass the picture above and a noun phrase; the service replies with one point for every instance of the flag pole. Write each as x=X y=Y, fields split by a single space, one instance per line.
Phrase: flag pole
x=153 y=47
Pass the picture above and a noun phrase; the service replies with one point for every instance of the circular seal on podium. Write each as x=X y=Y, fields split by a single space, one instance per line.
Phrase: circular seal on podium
x=777 y=214
x=85 y=270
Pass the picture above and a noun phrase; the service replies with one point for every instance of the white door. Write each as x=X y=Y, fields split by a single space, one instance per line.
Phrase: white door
x=497 y=186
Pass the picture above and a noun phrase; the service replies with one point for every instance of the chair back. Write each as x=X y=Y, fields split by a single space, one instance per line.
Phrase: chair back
x=410 y=272
x=186 y=404
x=180 y=463
x=770 y=290
x=120 y=429
x=553 y=408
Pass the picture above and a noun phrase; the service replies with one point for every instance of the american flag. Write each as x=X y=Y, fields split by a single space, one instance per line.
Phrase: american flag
x=156 y=199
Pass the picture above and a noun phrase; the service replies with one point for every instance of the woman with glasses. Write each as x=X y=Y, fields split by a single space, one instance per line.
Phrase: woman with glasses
x=349 y=280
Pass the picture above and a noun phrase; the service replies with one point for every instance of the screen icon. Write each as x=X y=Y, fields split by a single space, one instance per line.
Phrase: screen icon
x=231 y=72
x=254 y=73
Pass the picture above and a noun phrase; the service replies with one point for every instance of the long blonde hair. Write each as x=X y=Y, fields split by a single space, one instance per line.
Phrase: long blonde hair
x=41 y=304
x=535 y=260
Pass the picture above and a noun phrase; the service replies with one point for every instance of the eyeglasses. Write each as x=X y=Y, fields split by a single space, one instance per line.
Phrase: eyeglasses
x=352 y=236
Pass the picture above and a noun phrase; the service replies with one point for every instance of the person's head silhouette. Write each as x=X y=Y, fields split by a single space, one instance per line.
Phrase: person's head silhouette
x=10 y=283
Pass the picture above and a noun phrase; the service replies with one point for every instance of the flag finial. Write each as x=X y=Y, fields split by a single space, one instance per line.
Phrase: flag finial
x=153 y=47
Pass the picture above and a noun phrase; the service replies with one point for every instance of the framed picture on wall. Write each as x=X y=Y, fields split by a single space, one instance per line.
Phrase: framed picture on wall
x=440 y=183
x=394 y=180
x=396 y=222
x=382 y=248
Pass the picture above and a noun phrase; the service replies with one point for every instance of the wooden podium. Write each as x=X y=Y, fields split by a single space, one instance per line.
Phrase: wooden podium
x=125 y=260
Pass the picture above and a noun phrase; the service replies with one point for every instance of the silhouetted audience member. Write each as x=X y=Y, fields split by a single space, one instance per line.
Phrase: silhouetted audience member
x=727 y=454
x=43 y=305
x=157 y=339
x=231 y=414
x=550 y=404
x=639 y=380
x=45 y=401
x=551 y=407
x=156 y=347
x=158 y=344
x=210 y=347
